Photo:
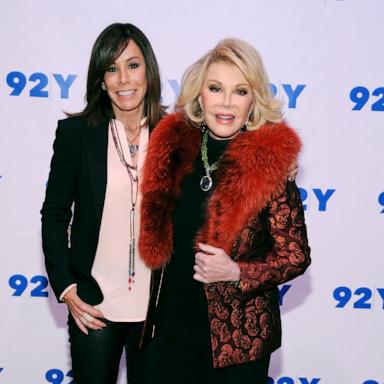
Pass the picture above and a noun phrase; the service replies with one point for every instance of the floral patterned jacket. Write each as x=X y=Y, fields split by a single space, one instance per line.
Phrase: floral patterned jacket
x=253 y=213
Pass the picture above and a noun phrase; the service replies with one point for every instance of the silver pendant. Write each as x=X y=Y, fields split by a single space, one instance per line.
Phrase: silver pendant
x=206 y=183
x=133 y=149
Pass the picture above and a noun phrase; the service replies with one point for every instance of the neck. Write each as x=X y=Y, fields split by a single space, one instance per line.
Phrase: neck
x=211 y=134
x=130 y=119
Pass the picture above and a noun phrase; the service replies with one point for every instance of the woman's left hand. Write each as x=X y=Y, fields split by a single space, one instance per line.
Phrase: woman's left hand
x=213 y=264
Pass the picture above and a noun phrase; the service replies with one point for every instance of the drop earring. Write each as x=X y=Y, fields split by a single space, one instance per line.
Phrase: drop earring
x=203 y=126
x=103 y=86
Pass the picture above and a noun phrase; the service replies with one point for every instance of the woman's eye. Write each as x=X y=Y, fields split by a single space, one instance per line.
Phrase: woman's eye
x=214 y=89
x=242 y=92
x=111 y=69
x=133 y=65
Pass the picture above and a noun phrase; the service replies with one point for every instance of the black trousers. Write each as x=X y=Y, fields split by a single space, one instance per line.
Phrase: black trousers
x=96 y=356
x=169 y=361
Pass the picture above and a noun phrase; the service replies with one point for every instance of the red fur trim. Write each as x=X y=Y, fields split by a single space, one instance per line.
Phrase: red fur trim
x=172 y=150
x=253 y=169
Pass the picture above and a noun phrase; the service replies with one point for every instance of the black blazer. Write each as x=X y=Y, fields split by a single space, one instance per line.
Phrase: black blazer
x=77 y=183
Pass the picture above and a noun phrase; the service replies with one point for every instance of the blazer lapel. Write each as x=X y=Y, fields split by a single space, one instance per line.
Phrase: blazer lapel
x=97 y=153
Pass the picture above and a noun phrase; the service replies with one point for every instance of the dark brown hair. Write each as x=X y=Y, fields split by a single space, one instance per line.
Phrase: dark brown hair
x=108 y=46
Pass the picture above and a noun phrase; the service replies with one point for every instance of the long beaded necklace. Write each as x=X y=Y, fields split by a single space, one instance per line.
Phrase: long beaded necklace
x=206 y=180
x=134 y=193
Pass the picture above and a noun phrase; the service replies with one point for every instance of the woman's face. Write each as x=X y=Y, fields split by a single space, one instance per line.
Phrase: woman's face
x=226 y=99
x=126 y=83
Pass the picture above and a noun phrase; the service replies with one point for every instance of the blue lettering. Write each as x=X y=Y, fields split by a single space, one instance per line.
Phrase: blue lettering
x=304 y=380
x=381 y=293
x=323 y=198
x=41 y=81
x=303 y=196
x=293 y=94
x=285 y=380
x=283 y=289
x=381 y=200
x=175 y=85
x=64 y=84
x=273 y=89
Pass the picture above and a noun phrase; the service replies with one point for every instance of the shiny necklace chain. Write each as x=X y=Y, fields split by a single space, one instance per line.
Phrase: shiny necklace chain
x=206 y=181
x=134 y=193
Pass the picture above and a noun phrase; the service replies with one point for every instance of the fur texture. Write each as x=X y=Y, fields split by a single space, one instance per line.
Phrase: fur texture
x=251 y=172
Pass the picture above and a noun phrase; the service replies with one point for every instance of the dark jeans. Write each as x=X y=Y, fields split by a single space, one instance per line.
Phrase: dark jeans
x=169 y=361
x=96 y=356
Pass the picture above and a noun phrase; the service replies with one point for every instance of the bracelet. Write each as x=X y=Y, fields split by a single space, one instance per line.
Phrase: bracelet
x=236 y=283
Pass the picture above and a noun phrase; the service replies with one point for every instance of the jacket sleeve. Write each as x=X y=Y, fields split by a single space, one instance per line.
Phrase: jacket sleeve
x=56 y=213
x=290 y=255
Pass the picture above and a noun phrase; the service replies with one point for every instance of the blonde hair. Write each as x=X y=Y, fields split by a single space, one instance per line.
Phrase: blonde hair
x=241 y=54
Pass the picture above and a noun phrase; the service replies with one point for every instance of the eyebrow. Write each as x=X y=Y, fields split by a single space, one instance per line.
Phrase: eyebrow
x=237 y=85
x=130 y=58
x=133 y=57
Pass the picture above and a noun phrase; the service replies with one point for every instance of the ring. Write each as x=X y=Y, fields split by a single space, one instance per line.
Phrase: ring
x=87 y=317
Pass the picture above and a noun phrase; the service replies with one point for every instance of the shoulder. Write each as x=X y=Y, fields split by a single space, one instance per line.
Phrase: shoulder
x=277 y=136
x=72 y=123
x=272 y=141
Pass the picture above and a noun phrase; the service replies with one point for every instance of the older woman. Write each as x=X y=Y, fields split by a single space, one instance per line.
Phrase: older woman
x=96 y=165
x=222 y=226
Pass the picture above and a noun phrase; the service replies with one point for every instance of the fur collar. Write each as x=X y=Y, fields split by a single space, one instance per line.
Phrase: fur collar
x=252 y=170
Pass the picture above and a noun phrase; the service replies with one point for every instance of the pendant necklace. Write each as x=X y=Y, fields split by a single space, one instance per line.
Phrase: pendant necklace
x=206 y=181
x=134 y=193
x=133 y=148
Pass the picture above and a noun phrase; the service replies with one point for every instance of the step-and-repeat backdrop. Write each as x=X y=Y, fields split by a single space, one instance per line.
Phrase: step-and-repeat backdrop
x=325 y=60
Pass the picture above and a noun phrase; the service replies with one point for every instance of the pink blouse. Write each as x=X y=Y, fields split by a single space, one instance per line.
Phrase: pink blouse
x=110 y=268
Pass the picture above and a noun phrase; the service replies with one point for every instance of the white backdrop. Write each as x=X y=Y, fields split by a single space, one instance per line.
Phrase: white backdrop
x=325 y=58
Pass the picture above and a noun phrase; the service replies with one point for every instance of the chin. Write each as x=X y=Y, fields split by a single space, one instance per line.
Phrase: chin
x=224 y=133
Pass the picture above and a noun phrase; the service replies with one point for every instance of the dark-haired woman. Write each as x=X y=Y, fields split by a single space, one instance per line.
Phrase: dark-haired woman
x=94 y=181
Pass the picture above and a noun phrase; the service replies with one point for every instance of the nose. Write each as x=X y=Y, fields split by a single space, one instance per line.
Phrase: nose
x=227 y=99
x=123 y=76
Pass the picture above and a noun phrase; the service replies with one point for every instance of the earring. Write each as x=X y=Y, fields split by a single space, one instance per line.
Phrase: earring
x=245 y=126
x=203 y=126
x=103 y=86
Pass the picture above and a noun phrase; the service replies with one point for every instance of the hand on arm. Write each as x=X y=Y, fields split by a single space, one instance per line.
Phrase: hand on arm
x=213 y=264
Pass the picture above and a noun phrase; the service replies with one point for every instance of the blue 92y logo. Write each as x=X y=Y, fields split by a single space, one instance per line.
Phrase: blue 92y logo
x=322 y=197
x=361 y=95
x=38 y=83
x=360 y=298
x=36 y=286
x=56 y=376
x=292 y=92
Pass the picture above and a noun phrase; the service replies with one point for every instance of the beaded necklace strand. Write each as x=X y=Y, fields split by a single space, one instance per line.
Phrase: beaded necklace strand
x=134 y=193
x=206 y=180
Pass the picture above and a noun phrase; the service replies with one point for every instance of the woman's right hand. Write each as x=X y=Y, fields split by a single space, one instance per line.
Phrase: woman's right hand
x=85 y=315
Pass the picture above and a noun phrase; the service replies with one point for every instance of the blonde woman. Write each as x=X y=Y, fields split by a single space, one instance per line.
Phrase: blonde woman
x=222 y=226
